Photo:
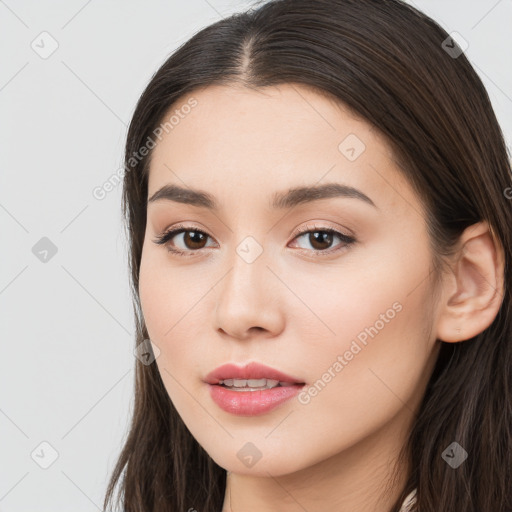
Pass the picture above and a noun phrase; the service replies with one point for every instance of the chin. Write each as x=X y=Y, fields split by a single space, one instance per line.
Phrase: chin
x=263 y=467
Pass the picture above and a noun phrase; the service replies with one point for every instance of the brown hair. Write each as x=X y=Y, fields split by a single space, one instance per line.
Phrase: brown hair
x=387 y=62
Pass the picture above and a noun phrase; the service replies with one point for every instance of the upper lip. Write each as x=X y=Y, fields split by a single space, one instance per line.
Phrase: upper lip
x=249 y=371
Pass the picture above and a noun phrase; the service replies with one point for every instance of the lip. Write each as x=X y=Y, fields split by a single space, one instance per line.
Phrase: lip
x=251 y=403
x=249 y=371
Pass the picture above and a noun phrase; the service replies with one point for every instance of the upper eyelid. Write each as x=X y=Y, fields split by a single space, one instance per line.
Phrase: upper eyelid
x=178 y=229
x=308 y=228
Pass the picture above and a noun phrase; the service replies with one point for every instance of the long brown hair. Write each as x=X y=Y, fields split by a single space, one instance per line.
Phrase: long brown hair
x=393 y=67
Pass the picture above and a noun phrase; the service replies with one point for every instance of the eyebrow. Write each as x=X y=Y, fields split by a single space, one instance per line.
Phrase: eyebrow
x=280 y=200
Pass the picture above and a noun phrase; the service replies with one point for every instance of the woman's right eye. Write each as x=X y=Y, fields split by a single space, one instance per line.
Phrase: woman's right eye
x=193 y=239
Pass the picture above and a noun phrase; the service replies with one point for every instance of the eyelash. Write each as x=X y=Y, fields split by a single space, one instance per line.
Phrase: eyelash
x=167 y=236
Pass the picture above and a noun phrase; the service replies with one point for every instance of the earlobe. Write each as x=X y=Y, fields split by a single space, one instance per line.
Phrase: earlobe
x=473 y=292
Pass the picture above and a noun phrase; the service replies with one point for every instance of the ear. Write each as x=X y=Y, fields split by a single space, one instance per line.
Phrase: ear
x=473 y=291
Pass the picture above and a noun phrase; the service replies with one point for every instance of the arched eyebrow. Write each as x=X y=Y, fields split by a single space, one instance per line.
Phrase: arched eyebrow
x=279 y=200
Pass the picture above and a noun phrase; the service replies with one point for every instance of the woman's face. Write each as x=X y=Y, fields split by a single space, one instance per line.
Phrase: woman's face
x=351 y=316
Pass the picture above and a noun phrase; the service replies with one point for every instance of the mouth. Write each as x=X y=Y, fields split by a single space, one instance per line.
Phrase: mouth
x=252 y=389
x=254 y=384
x=251 y=376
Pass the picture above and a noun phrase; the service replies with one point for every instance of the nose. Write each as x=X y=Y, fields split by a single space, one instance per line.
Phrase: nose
x=250 y=301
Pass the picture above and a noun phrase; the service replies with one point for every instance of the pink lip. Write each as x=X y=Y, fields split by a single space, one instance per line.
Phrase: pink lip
x=250 y=371
x=250 y=403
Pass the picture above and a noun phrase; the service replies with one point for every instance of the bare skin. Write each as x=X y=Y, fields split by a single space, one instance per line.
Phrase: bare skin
x=297 y=307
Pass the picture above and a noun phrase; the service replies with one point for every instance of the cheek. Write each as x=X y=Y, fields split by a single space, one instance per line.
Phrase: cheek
x=355 y=388
x=165 y=293
x=172 y=302
x=363 y=373
x=169 y=317
x=154 y=299
x=377 y=297
x=366 y=338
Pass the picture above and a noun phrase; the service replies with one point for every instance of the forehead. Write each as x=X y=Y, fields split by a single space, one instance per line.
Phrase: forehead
x=263 y=140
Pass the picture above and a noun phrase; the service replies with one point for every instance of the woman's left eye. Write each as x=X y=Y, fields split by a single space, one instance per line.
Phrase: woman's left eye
x=317 y=237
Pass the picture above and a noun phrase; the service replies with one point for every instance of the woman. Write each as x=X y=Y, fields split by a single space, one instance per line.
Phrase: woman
x=317 y=196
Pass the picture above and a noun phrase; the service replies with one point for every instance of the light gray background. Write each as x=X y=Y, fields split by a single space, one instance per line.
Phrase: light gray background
x=66 y=361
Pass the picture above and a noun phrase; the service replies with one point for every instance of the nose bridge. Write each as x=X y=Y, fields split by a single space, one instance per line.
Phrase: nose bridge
x=247 y=295
x=248 y=277
x=249 y=245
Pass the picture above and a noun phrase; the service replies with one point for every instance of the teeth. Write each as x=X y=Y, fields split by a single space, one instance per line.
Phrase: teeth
x=256 y=383
x=252 y=383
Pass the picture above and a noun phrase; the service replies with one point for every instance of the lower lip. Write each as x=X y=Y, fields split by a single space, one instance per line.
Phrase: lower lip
x=252 y=403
